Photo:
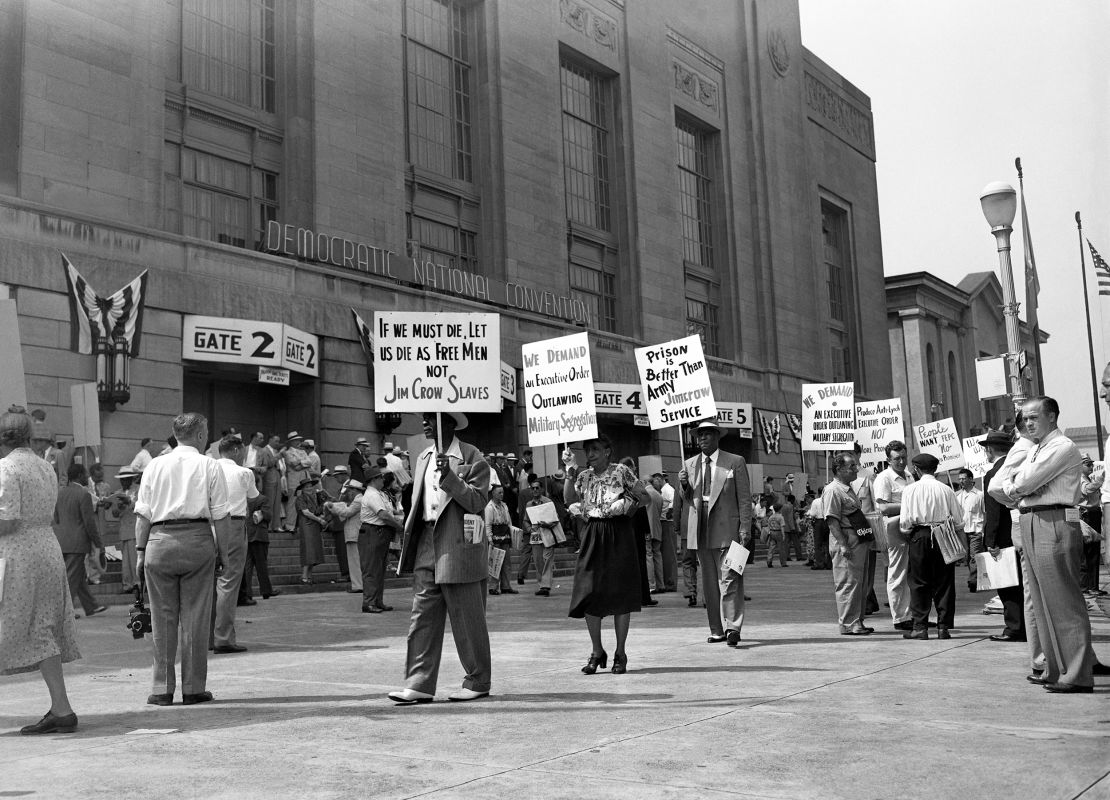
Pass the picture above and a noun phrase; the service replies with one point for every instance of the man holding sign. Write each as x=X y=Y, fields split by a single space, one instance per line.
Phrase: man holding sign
x=715 y=494
x=449 y=564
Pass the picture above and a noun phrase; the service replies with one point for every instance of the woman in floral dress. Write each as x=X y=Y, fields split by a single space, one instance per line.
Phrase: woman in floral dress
x=607 y=576
x=36 y=611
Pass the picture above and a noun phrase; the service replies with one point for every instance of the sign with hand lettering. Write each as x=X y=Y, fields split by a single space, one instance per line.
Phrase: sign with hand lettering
x=941 y=439
x=559 y=390
x=828 y=416
x=676 y=383
x=878 y=423
x=426 y=361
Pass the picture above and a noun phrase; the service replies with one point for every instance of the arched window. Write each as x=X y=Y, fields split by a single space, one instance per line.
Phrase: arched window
x=931 y=373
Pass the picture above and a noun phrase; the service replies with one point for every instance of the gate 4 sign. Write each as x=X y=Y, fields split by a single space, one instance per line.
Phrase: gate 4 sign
x=618 y=398
x=244 y=341
x=437 y=362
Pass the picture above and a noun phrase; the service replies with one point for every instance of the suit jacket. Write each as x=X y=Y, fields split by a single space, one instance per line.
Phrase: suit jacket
x=75 y=520
x=997 y=526
x=730 y=501
x=467 y=490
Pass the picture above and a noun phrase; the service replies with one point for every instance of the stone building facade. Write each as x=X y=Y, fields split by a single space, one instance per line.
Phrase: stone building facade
x=639 y=171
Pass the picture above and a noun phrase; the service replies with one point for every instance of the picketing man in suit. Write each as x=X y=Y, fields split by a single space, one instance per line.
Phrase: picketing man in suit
x=75 y=527
x=714 y=490
x=997 y=534
x=449 y=572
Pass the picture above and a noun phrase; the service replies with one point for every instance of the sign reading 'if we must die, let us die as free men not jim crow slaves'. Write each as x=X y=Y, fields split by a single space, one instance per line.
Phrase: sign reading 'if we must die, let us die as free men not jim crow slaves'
x=437 y=362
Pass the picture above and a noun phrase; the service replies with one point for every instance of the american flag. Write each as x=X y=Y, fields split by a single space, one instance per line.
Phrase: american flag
x=118 y=316
x=1102 y=270
x=366 y=342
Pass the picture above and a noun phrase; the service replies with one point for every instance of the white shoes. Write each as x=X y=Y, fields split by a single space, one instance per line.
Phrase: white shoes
x=462 y=695
x=408 y=697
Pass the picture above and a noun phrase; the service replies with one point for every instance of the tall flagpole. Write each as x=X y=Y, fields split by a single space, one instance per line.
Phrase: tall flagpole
x=1090 y=339
x=1027 y=252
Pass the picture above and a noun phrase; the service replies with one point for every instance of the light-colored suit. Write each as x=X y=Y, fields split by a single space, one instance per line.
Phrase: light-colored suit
x=449 y=574
x=728 y=518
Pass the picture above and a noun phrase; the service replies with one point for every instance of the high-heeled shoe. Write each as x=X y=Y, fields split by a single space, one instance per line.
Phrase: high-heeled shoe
x=594 y=662
x=620 y=663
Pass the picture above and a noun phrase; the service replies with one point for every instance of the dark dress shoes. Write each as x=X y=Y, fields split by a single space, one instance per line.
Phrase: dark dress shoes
x=594 y=661
x=509 y=591
x=1007 y=637
x=916 y=635
x=649 y=602
x=733 y=638
x=1036 y=678
x=229 y=648
x=942 y=633
x=247 y=601
x=160 y=700
x=371 y=610
x=620 y=664
x=544 y=592
x=907 y=625
x=692 y=602
x=716 y=639
x=1068 y=688
x=193 y=699
x=495 y=592
x=1100 y=669
x=51 y=724
x=385 y=608
x=97 y=610
x=273 y=593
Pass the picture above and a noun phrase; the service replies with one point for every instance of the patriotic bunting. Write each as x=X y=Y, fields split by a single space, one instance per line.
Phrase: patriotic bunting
x=769 y=431
x=366 y=341
x=92 y=317
x=795 y=423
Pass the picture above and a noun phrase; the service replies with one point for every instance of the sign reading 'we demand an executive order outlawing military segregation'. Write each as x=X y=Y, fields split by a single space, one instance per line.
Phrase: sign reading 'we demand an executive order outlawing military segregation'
x=559 y=390
x=437 y=362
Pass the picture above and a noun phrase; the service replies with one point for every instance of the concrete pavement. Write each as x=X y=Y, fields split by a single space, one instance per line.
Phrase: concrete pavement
x=797 y=712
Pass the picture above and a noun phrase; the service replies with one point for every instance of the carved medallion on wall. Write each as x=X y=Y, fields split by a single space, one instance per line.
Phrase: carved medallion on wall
x=778 y=51
x=589 y=22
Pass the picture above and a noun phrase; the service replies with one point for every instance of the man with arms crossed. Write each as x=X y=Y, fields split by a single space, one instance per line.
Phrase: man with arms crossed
x=888 y=488
x=849 y=551
x=449 y=572
x=714 y=486
x=182 y=496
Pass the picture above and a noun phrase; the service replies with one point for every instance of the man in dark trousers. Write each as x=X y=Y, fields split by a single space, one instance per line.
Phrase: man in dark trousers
x=998 y=533
x=75 y=527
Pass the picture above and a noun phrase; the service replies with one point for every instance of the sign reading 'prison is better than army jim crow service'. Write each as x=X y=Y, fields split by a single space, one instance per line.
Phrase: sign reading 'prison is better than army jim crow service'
x=437 y=362
x=676 y=383
x=559 y=390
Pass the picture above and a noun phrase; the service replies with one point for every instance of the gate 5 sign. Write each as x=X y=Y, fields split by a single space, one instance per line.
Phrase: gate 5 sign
x=244 y=341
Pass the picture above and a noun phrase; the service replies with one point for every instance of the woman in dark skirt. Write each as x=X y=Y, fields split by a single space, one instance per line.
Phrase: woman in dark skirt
x=607 y=576
x=310 y=523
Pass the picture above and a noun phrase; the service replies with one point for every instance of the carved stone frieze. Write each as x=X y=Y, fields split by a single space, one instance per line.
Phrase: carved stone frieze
x=698 y=86
x=589 y=22
x=778 y=51
x=840 y=115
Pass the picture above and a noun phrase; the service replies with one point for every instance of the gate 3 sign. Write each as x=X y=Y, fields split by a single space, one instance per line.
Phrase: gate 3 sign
x=244 y=341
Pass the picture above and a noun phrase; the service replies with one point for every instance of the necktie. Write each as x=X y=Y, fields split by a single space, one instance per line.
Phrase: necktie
x=707 y=477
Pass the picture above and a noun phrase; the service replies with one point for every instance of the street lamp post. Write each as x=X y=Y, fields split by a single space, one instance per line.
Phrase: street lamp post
x=999 y=201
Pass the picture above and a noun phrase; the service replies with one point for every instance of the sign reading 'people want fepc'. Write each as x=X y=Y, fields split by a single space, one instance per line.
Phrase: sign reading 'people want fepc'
x=559 y=390
x=437 y=362
x=828 y=416
x=676 y=383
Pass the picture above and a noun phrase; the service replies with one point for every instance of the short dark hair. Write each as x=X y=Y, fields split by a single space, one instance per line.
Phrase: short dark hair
x=76 y=473
x=1049 y=405
x=533 y=478
x=841 y=459
x=964 y=471
x=230 y=442
x=895 y=446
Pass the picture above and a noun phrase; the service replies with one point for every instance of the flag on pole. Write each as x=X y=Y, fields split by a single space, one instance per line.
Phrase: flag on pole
x=366 y=341
x=1032 y=282
x=92 y=317
x=1102 y=270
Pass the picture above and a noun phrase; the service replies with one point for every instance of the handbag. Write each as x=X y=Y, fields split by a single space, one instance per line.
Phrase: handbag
x=861 y=526
x=951 y=544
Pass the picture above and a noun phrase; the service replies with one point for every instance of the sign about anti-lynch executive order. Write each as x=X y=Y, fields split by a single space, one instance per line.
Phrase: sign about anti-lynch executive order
x=559 y=390
x=437 y=362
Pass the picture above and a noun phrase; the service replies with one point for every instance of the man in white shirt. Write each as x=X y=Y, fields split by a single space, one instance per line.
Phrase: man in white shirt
x=182 y=496
x=670 y=542
x=395 y=465
x=232 y=547
x=1046 y=487
x=971 y=501
x=887 y=491
x=925 y=503
x=314 y=465
x=143 y=458
x=254 y=451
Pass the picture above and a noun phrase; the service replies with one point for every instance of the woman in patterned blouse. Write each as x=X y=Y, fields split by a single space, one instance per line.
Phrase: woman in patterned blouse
x=607 y=576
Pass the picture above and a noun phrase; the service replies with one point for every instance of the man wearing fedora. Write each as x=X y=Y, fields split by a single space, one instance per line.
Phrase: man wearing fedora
x=714 y=492
x=296 y=470
x=348 y=509
x=359 y=459
x=379 y=518
x=449 y=571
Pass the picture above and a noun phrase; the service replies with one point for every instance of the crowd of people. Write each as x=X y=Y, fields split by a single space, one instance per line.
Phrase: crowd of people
x=185 y=510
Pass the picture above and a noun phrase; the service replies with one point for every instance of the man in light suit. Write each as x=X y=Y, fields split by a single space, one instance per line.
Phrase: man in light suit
x=715 y=494
x=449 y=572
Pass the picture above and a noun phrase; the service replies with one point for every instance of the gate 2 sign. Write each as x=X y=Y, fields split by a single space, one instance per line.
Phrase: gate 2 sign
x=244 y=341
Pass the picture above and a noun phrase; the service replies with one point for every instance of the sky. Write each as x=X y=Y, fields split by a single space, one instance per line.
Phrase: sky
x=958 y=89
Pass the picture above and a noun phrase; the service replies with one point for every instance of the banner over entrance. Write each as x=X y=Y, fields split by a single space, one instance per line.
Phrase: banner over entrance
x=437 y=362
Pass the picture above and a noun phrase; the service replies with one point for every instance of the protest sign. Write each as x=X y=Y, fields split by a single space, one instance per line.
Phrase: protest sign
x=878 y=423
x=436 y=362
x=975 y=456
x=559 y=390
x=676 y=384
x=828 y=416
x=941 y=439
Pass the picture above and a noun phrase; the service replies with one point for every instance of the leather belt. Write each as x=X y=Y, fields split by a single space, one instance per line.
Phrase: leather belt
x=1051 y=507
x=169 y=523
x=240 y=516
